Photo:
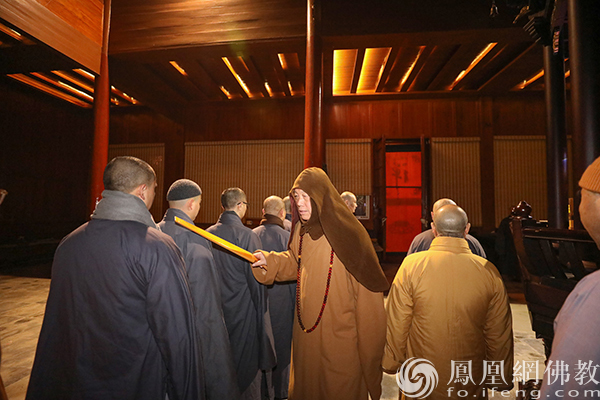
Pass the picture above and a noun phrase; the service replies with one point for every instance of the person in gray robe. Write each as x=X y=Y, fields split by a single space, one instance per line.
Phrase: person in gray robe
x=184 y=197
x=244 y=299
x=282 y=295
x=423 y=240
x=119 y=321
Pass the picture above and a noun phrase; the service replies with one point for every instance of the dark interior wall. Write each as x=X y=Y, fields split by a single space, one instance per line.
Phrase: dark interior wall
x=133 y=125
x=44 y=164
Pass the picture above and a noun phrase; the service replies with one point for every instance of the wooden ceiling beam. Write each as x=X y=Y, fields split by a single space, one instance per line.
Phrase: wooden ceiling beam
x=202 y=80
x=256 y=76
x=500 y=56
x=391 y=61
x=459 y=61
x=360 y=58
x=436 y=60
x=221 y=74
x=416 y=71
x=177 y=81
x=283 y=79
x=137 y=81
x=519 y=69
x=327 y=72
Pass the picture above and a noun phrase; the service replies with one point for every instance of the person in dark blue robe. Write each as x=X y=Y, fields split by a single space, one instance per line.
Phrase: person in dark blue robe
x=119 y=321
x=282 y=295
x=184 y=197
x=244 y=299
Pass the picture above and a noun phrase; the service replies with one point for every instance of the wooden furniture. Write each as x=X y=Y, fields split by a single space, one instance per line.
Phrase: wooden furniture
x=552 y=261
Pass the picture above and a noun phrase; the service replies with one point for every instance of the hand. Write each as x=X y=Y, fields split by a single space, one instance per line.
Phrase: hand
x=262 y=261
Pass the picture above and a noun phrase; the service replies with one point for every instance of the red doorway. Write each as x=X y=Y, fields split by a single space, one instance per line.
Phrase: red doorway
x=403 y=196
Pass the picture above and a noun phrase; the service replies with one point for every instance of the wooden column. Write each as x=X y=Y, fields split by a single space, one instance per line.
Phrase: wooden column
x=556 y=135
x=584 y=57
x=314 y=141
x=101 y=115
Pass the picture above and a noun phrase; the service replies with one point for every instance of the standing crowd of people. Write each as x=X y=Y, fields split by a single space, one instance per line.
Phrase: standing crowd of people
x=139 y=310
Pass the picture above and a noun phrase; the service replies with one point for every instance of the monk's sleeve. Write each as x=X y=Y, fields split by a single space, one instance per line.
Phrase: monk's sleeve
x=281 y=267
x=498 y=333
x=399 y=318
x=370 y=326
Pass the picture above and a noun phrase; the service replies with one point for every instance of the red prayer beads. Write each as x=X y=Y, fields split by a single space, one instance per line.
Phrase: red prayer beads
x=298 y=290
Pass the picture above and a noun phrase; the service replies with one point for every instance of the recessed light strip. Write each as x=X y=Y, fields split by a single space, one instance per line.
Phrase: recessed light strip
x=237 y=77
x=63 y=85
x=178 y=68
x=48 y=89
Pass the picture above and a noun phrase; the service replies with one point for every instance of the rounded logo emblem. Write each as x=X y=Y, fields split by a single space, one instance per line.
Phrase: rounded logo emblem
x=417 y=378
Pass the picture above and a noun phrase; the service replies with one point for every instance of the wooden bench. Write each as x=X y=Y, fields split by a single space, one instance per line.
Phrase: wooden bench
x=552 y=261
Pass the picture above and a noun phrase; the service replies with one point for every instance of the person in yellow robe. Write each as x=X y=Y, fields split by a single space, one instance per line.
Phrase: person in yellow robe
x=449 y=307
x=339 y=326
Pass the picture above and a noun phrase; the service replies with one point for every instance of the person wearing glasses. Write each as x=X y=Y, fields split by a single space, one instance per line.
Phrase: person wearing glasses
x=244 y=300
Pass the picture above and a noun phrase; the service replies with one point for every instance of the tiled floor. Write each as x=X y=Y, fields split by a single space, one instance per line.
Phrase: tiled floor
x=23 y=300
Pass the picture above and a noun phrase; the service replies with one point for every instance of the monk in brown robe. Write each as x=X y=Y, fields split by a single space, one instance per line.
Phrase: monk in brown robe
x=339 y=327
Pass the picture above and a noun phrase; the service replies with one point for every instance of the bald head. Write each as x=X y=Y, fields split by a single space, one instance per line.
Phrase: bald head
x=288 y=206
x=450 y=220
x=441 y=203
x=350 y=200
x=274 y=205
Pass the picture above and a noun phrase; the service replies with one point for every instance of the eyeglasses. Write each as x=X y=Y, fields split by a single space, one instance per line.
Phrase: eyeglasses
x=242 y=202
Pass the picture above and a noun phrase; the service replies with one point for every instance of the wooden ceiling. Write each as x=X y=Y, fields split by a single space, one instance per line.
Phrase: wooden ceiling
x=173 y=54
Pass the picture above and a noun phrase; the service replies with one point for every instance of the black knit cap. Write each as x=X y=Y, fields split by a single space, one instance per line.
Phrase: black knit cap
x=183 y=189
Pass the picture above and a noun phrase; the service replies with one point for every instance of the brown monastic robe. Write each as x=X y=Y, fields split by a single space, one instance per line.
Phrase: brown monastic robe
x=341 y=358
x=447 y=304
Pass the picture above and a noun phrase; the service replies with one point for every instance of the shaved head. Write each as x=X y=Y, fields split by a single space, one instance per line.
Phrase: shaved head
x=451 y=220
x=273 y=205
x=441 y=203
x=288 y=206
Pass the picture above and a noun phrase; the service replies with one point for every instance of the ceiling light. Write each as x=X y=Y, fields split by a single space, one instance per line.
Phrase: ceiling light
x=372 y=69
x=229 y=96
x=269 y=90
x=237 y=77
x=178 y=68
x=529 y=81
x=344 y=62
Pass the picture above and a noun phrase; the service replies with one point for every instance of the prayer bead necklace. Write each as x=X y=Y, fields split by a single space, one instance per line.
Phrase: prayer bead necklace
x=298 y=290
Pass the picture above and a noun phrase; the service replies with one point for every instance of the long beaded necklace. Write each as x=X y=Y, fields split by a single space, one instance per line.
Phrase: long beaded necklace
x=298 y=290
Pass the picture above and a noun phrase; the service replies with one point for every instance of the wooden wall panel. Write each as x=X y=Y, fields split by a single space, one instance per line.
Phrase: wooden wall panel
x=520 y=174
x=44 y=164
x=455 y=174
x=153 y=154
x=514 y=116
x=349 y=165
x=269 y=167
x=260 y=168
x=245 y=120
x=55 y=31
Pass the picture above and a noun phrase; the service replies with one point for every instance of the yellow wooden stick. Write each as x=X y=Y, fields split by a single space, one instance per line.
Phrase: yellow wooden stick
x=217 y=240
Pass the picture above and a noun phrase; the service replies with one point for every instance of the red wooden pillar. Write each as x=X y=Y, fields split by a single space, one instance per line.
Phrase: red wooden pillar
x=101 y=116
x=314 y=141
